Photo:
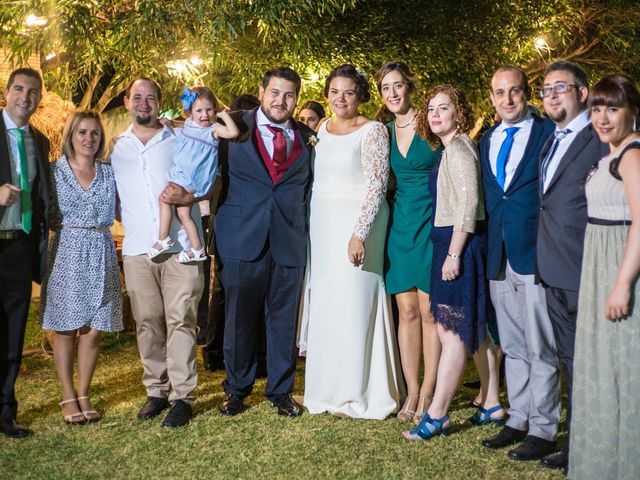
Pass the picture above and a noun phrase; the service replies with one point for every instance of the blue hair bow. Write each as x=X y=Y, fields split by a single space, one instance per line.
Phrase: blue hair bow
x=187 y=98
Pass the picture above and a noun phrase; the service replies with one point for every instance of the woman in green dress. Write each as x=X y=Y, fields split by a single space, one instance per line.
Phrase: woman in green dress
x=409 y=248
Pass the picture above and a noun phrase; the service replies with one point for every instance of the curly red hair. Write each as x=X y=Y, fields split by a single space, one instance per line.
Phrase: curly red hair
x=464 y=113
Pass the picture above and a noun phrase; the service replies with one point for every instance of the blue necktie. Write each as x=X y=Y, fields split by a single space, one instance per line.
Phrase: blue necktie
x=503 y=156
x=559 y=134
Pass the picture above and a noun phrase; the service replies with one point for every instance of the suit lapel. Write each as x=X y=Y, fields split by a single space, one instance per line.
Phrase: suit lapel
x=535 y=137
x=574 y=150
x=5 y=162
x=255 y=151
x=484 y=153
x=298 y=152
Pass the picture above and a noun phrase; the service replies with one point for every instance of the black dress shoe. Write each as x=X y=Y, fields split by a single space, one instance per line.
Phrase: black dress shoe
x=179 y=414
x=556 y=460
x=287 y=406
x=231 y=405
x=508 y=436
x=152 y=407
x=12 y=430
x=533 y=448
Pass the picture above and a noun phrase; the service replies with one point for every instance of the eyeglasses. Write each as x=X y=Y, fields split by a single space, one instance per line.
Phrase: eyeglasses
x=557 y=88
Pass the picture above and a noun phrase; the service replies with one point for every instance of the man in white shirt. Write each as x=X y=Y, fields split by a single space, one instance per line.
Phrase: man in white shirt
x=24 y=200
x=164 y=293
x=564 y=165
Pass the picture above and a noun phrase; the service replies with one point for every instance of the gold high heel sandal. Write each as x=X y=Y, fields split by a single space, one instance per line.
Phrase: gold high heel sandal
x=422 y=407
x=75 y=418
x=90 y=415
x=406 y=413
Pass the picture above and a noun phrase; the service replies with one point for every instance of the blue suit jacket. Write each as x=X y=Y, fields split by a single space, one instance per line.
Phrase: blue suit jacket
x=252 y=210
x=513 y=214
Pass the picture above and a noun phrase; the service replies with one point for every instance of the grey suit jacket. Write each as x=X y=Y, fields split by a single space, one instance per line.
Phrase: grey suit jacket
x=563 y=212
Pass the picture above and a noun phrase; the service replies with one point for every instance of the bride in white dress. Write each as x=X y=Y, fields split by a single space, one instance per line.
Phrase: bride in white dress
x=352 y=366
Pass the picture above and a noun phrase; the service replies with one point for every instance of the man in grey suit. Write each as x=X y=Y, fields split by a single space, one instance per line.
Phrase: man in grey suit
x=564 y=165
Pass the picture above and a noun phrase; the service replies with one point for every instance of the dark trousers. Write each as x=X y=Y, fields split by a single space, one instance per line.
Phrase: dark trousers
x=563 y=311
x=16 y=260
x=253 y=289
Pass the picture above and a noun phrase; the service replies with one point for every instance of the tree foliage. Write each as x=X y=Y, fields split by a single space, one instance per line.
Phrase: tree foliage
x=100 y=45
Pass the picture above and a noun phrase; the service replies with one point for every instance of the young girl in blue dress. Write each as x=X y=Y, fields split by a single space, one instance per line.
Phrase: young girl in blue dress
x=195 y=166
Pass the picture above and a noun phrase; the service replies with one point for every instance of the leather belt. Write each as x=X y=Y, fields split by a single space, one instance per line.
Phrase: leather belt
x=608 y=223
x=11 y=234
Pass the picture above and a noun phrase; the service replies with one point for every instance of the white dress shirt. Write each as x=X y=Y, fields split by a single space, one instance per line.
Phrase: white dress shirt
x=12 y=218
x=576 y=125
x=141 y=173
x=262 y=121
x=520 y=140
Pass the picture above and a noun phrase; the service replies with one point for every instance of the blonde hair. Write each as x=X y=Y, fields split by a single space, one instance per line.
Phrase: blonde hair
x=72 y=126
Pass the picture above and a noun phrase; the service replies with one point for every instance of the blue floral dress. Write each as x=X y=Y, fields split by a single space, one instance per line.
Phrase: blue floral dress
x=82 y=283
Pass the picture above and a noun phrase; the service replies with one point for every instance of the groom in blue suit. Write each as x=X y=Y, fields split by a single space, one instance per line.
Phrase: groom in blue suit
x=509 y=154
x=261 y=239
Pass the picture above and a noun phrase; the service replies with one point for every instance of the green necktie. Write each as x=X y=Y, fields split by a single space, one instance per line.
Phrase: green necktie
x=25 y=193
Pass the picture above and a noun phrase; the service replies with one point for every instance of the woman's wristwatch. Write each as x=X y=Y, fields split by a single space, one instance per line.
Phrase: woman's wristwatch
x=455 y=256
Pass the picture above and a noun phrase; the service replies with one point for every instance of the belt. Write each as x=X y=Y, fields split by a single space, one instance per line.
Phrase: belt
x=608 y=223
x=104 y=231
x=11 y=234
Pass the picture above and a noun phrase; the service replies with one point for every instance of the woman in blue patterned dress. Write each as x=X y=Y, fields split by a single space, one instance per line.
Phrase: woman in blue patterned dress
x=81 y=292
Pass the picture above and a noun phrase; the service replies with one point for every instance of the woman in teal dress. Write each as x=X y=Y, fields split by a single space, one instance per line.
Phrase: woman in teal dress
x=409 y=248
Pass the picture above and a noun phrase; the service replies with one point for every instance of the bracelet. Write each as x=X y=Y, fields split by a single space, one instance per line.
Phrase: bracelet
x=455 y=256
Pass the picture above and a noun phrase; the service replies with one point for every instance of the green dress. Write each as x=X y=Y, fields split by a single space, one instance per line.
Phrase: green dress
x=409 y=247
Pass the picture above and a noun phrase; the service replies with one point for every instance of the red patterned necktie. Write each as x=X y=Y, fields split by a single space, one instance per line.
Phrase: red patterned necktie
x=279 y=145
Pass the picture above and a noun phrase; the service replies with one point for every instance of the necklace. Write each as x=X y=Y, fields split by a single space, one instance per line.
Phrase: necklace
x=407 y=124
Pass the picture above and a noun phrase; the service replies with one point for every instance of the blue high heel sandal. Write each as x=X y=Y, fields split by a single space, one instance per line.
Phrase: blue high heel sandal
x=428 y=428
x=482 y=416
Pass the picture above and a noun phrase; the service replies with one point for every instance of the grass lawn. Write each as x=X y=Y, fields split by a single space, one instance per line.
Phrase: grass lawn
x=255 y=444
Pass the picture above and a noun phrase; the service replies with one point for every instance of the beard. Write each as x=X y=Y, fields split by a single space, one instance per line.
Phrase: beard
x=143 y=120
x=268 y=114
x=558 y=116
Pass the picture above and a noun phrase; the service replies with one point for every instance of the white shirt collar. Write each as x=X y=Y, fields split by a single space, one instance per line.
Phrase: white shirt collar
x=10 y=124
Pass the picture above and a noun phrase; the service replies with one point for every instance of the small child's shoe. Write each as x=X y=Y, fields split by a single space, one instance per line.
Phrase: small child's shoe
x=165 y=245
x=196 y=255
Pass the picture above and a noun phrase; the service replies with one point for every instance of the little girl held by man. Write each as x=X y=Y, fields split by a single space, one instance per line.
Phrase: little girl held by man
x=195 y=166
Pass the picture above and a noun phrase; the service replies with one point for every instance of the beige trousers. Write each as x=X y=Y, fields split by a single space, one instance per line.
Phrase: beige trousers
x=164 y=301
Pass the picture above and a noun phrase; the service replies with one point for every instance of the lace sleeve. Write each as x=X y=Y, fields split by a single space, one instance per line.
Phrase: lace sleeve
x=375 y=165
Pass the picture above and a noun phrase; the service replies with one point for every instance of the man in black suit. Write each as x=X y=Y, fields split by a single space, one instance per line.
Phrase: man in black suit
x=24 y=202
x=564 y=165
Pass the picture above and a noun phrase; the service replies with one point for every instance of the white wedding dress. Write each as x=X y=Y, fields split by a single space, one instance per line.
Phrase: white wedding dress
x=352 y=365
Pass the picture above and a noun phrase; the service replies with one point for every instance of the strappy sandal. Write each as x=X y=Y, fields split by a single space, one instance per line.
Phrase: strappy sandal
x=165 y=245
x=90 y=415
x=198 y=255
x=428 y=428
x=422 y=408
x=482 y=416
x=74 y=418
x=406 y=413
